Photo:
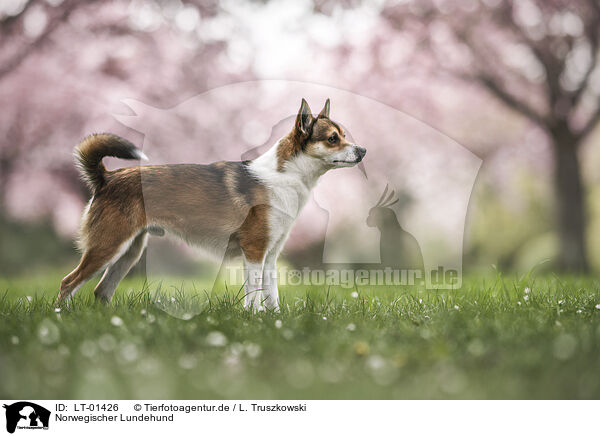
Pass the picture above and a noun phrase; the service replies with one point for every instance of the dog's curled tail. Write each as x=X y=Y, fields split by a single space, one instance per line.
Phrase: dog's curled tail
x=90 y=152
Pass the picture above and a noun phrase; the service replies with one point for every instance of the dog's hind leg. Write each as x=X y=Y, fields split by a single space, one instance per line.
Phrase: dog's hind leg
x=104 y=251
x=118 y=270
x=91 y=262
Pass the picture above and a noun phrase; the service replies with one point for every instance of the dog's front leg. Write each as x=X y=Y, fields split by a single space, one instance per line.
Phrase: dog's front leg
x=270 y=290
x=252 y=285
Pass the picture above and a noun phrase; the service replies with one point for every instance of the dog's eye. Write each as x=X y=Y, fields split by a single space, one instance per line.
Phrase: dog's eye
x=332 y=139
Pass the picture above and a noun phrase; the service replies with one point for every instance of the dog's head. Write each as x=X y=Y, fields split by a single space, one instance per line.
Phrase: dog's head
x=323 y=139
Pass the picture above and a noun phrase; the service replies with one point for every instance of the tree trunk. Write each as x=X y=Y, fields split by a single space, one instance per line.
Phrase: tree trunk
x=570 y=203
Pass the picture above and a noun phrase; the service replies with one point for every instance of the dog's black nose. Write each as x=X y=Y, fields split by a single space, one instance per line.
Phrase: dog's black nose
x=361 y=152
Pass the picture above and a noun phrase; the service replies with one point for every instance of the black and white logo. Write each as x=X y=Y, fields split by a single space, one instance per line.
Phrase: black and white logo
x=26 y=415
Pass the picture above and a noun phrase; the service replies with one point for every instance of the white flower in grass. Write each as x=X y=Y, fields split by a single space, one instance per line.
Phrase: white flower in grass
x=231 y=360
x=561 y=301
x=526 y=297
x=88 y=348
x=107 y=342
x=420 y=301
x=253 y=350
x=116 y=321
x=236 y=349
x=456 y=307
x=128 y=352
x=216 y=339
x=580 y=311
x=597 y=306
x=48 y=332
x=325 y=318
x=351 y=327
x=527 y=290
x=354 y=294
x=376 y=362
x=57 y=309
x=29 y=298
x=278 y=324
x=518 y=303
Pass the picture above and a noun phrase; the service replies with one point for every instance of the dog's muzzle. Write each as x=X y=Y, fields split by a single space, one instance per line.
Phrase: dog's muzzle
x=360 y=152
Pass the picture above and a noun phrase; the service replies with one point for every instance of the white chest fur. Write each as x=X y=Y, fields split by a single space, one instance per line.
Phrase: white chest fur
x=288 y=189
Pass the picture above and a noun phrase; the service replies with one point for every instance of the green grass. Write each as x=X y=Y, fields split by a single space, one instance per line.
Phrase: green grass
x=489 y=339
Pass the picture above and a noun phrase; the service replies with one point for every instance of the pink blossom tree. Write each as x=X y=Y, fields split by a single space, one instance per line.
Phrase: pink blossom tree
x=537 y=57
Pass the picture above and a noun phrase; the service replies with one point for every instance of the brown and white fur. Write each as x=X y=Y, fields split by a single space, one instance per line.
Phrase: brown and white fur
x=245 y=208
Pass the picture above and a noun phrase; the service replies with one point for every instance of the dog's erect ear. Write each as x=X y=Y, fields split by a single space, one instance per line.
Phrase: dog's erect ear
x=325 y=112
x=304 y=119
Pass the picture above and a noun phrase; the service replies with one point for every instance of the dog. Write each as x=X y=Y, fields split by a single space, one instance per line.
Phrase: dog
x=246 y=207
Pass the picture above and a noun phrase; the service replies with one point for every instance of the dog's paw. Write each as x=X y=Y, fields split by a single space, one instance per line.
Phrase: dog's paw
x=253 y=308
x=272 y=307
x=102 y=299
x=62 y=301
x=253 y=302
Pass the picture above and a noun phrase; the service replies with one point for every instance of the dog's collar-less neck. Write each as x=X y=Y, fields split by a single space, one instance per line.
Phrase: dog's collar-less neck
x=300 y=168
x=306 y=168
